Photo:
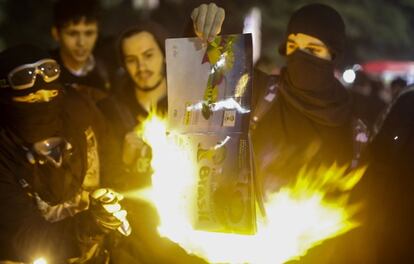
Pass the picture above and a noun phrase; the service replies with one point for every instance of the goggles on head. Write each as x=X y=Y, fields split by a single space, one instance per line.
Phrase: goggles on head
x=24 y=76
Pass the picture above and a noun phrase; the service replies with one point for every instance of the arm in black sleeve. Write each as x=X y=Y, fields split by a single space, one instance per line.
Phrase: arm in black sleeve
x=26 y=235
x=395 y=132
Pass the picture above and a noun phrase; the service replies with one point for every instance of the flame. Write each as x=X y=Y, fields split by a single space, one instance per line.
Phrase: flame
x=298 y=217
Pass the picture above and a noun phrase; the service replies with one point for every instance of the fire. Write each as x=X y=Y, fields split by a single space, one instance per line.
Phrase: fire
x=298 y=217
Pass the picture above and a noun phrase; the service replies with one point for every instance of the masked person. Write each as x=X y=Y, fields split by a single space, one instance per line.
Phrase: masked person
x=386 y=232
x=304 y=115
x=49 y=164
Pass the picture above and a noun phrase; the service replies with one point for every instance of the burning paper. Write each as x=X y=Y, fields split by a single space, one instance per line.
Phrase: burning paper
x=209 y=106
x=202 y=179
x=299 y=216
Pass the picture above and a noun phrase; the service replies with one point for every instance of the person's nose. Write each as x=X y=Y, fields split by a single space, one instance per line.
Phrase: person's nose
x=141 y=65
x=80 y=41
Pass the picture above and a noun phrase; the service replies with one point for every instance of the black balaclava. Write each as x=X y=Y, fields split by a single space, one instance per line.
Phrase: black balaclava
x=320 y=21
x=311 y=85
x=306 y=71
x=31 y=122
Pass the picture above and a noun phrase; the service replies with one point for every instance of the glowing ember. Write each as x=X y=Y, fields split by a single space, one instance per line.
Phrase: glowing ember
x=299 y=217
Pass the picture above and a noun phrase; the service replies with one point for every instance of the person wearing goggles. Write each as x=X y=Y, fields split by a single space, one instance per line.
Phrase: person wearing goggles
x=49 y=166
x=25 y=76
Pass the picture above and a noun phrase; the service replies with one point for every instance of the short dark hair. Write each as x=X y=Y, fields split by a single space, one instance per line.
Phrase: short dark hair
x=66 y=11
x=398 y=82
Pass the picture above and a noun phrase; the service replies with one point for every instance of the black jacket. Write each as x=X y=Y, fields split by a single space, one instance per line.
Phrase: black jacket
x=123 y=116
x=386 y=234
x=285 y=139
x=388 y=185
x=24 y=233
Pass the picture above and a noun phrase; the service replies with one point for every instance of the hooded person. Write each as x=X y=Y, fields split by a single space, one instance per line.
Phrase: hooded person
x=304 y=115
x=32 y=112
x=40 y=113
x=141 y=51
x=143 y=88
x=48 y=161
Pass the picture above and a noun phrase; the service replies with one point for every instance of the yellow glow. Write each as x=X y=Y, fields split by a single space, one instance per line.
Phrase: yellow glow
x=299 y=216
x=40 y=261
x=241 y=85
x=37 y=97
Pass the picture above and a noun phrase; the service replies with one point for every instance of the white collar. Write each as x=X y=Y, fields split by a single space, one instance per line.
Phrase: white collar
x=87 y=67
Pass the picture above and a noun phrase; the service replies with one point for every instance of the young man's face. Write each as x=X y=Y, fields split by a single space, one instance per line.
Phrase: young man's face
x=143 y=60
x=308 y=44
x=76 y=41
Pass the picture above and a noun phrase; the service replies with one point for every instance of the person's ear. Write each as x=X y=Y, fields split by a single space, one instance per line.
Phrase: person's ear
x=55 y=33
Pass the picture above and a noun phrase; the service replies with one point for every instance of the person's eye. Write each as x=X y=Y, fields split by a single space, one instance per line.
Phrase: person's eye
x=313 y=51
x=148 y=55
x=90 y=33
x=129 y=60
x=72 y=33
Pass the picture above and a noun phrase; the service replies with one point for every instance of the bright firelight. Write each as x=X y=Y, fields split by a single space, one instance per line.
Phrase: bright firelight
x=40 y=261
x=298 y=216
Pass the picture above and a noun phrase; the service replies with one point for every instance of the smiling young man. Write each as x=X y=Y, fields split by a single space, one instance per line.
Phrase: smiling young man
x=76 y=31
x=142 y=53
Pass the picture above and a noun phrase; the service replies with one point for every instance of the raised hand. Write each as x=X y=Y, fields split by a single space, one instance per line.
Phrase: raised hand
x=207 y=21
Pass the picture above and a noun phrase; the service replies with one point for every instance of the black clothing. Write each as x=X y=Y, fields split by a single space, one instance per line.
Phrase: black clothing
x=95 y=84
x=144 y=245
x=34 y=122
x=295 y=131
x=123 y=118
x=386 y=234
x=24 y=232
x=97 y=78
x=19 y=55
x=388 y=185
x=320 y=21
x=126 y=95
x=96 y=87
x=309 y=86
x=368 y=108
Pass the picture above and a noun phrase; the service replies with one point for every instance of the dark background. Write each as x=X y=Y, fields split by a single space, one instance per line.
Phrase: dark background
x=377 y=29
